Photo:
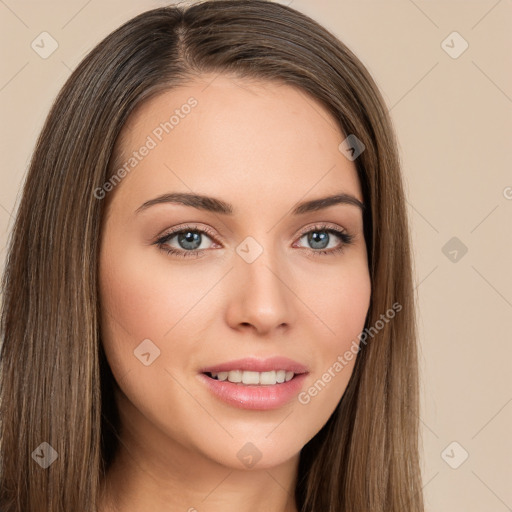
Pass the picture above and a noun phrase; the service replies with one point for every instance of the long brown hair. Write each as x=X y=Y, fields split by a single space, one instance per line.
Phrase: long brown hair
x=55 y=381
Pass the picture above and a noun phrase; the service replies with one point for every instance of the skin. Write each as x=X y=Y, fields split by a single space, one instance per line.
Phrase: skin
x=263 y=147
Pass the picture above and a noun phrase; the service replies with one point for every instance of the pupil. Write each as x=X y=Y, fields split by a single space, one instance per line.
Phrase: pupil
x=188 y=240
x=318 y=242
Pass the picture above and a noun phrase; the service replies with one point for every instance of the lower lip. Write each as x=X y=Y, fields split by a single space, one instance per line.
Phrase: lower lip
x=259 y=397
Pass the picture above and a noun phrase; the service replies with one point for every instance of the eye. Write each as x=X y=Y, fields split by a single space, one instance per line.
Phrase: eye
x=189 y=240
x=321 y=236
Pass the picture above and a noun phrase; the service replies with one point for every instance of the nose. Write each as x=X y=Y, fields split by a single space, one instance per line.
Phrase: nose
x=260 y=295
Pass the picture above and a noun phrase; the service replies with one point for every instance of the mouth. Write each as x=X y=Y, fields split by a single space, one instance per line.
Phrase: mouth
x=254 y=383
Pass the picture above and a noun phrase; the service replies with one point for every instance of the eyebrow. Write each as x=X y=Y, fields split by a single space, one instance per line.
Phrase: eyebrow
x=212 y=204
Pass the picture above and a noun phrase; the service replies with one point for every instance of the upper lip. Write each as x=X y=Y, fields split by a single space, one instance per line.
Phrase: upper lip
x=258 y=365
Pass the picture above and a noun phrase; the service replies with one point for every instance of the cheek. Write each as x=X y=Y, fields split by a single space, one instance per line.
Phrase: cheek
x=143 y=299
x=340 y=300
x=134 y=307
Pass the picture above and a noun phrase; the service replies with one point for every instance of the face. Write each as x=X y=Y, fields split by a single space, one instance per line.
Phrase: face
x=188 y=287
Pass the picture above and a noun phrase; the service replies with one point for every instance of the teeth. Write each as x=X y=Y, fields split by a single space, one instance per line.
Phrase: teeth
x=247 y=377
x=252 y=377
x=233 y=376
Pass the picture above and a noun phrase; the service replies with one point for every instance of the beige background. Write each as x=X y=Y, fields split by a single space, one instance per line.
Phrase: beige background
x=453 y=118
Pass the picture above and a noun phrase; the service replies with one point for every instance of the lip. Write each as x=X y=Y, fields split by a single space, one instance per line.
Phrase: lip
x=252 y=364
x=255 y=397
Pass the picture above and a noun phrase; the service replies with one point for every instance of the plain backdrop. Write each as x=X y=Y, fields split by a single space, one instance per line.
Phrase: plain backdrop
x=445 y=72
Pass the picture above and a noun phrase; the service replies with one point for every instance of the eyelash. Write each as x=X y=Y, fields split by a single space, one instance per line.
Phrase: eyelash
x=346 y=239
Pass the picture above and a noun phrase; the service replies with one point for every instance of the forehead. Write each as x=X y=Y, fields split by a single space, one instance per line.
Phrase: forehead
x=219 y=135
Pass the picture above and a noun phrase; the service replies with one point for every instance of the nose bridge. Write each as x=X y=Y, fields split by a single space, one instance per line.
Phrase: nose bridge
x=259 y=263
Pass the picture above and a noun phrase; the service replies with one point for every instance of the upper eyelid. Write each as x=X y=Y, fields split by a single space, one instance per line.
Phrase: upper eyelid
x=174 y=231
x=323 y=225
x=192 y=227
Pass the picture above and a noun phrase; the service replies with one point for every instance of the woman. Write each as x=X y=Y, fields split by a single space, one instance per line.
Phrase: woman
x=208 y=300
